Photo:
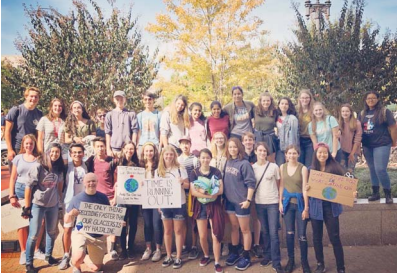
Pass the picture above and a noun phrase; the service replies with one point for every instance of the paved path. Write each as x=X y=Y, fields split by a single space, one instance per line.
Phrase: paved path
x=364 y=259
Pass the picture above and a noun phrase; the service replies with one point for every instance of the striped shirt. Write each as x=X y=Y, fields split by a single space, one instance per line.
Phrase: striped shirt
x=52 y=130
x=189 y=163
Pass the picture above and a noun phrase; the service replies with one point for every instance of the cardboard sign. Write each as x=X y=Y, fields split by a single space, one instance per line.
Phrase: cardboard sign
x=130 y=185
x=100 y=219
x=162 y=193
x=11 y=218
x=331 y=187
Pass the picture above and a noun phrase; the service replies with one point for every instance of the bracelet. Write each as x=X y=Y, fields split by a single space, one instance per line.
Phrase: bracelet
x=26 y=211
x=249 y=200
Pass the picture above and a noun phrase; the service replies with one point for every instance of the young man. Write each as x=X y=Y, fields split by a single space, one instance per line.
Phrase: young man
x=74 y=185
x=20 y=121
x=96 y=243
x=120 y=125
x=148 y=122
x=248 y=140
x=103 y=166
x=189 y=162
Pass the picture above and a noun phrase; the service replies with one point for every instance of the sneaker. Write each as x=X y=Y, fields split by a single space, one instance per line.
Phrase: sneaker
x=266 y=262
x=306 y=267
x=130 y=254
x=193 y=254
x=146 y=254
x=290 y=266
x=64 y=264
x=258 y=252
x=243 y=263
x=232 y=259
x=156 y=255
x=278 y=269
x=123 y=255
x=341 y=271
x=225 y=249
x=114 y=256
x=320 y=268
x=39 y=255
x=30 y=268
x=50 y=260
x=76 y=270
x=218 y=268
x=177 y=264
x=22 y=258
x=167 y=262
x=204 y=261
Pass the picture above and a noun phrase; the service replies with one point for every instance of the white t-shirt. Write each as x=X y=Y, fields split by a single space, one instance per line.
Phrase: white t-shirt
x=267 y=192
x=176 y=174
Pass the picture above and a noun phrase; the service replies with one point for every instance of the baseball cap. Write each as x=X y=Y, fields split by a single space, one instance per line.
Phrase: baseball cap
x=119 y=93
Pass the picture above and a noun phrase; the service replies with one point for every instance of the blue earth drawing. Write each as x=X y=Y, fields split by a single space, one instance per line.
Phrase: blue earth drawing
x=131 y=185
x=329 y=193
x=79 y=225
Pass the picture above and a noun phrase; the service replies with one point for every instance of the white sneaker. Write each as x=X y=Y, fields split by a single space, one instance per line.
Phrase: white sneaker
x=39 y=255
x=225 y=249
x=114 y=256
x=146 y=254
x=156 y=255
x=64 y=264
x=22 y=258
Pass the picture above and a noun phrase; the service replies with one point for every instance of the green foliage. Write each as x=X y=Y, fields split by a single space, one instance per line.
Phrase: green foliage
x=12 y=92
x=85 y=56
x=342 y=60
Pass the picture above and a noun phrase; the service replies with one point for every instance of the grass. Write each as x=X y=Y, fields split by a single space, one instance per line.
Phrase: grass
x=364 y=187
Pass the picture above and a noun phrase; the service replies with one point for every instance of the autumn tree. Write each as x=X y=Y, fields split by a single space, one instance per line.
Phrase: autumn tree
x=342 y=60
x=83 y=55
x=11 y=88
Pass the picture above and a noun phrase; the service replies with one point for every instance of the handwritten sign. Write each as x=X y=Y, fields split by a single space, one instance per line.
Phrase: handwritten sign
x=100 y=219
x=162 y=193
x=11 y=217
x=129 y=185
x=331 y=187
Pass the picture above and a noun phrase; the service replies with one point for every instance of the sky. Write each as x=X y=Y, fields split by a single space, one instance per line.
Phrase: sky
x=277 y=15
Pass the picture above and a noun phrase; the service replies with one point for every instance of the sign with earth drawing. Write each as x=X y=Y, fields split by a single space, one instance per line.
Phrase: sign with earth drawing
x=333 y=188
x=129 y=187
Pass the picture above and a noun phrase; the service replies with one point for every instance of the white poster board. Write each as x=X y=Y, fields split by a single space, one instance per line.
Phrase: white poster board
x=130 y=182
x=162 y=193
x=11 y=218
x=100 y=219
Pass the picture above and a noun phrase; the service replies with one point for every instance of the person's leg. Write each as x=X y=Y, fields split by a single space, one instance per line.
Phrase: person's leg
x=235 y=229
x=133 y=226
x=261 y=210
x=202 y=232
x=148 y=222
x=369 y=157
x=168 y=229
x=40 y=235
x=289 y=219
x=34 y=229
x=317 y=226
x=158 y=228
x=67 y=239
x=302 y=225
x=96 y=251
x=381 y=159
x=216 y=245
x=332 y=225
x=244 y=223
x=23 y=237
x=123 y=235
x=273 y=216
x=179 y=225
x=51 y=221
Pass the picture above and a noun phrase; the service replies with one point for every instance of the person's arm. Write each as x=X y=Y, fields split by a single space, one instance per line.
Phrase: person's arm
x=10 y=152
x=69 y=216
x=40 y=141
x=312 y=134
x=248 y=175
x=60 y=187
x=393 y=132
x=108 y=148
x=281 y=190
x=197 y=193
x=245 y=204
x=164 y=128
x=335 y=140
x=305 y=175
x=135 y=138
x=13 y=198
x=28 y=197
x=220 y=192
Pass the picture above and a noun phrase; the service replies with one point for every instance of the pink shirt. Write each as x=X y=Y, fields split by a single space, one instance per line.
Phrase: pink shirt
x=348 y=138
x=105 y=178
x=198 y=135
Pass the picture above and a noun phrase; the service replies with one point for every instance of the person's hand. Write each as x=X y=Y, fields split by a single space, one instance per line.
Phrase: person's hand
x=245 y=204
x=110 y=152
x=124 y=223
x=200 y=190
x=14 y=202
x=333 y=154
x=305 y=214
x=355 y=194
x=78 y=140
x=10 y=155
x=307 y=187
x=113 y=201
x=351 y=158
x=281 y=208
x=74 y=212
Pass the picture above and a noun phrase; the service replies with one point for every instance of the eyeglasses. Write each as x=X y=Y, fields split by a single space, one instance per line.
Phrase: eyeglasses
x=101 y=116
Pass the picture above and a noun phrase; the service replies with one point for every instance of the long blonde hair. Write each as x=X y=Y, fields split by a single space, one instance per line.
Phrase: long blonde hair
x=161 y=171
x=311 y=104
x=175 y=116
x=214 y=148
x=352 y=119
x=314 y=119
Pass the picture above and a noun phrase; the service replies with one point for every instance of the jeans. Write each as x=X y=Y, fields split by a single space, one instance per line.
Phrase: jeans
x=153 y=224
x=306 y=147
x=280 y=157
x=332 y=225
x=269 y=216
x=377 y=159
x=51 y=220
x=290 y=216
x=132 y=214
x=350 y=166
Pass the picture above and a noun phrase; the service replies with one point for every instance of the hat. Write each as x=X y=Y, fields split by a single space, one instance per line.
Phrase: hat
x=119 y=93
x=321 y=144
x=90 y=176
x=186 y=138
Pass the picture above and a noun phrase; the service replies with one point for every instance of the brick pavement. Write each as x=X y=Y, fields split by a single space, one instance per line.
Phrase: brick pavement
x=363 y=259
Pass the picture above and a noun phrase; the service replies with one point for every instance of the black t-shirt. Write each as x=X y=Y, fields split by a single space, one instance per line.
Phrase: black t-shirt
x=195 y=174
x=375 y=134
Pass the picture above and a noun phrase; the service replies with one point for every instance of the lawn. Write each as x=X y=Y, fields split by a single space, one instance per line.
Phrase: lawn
x=364 y=183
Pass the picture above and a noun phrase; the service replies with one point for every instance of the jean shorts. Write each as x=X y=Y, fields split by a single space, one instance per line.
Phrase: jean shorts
x=203 y=212
x=20 y=190
x=174 y=213
x=233 y=208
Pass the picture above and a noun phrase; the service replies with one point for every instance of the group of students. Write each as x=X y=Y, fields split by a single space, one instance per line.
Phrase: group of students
x=236 y=146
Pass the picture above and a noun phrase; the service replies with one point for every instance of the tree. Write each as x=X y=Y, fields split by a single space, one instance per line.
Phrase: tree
x=210 y=38
x=11 y=89
x=84 y=56
x=342 y=60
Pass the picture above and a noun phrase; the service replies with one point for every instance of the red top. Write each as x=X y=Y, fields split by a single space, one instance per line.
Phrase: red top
x=218 y=125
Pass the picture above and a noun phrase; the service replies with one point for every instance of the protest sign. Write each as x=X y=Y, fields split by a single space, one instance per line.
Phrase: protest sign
x=331 y=187
x=11 y=218
x=162 y=193
x=129 y=185
x=100 y=219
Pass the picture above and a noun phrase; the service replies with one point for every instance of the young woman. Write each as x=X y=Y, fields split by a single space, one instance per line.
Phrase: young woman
x=267 y=177
x=376 y=121
x=305 y=110
x=198 y=128
x=294 y=204
x=265 y=121
x=21 y=164
x=100 y=118
x=78 y=124
x=321 y=212
x=218 y=150
x=287 y=128
x=175 y=122
x=43 y=203
x=325 y=128
x=149 y=160
x=128 y=157
x=350 y=139
x=240 y=113
x=173 y=218
x=49 y=127
x=211 y=212
x=218 y=121
x=239 y=188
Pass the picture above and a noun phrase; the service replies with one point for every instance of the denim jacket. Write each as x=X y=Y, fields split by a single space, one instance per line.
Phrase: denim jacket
x=316 y=208
x=287 y=197
x=289 y=132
